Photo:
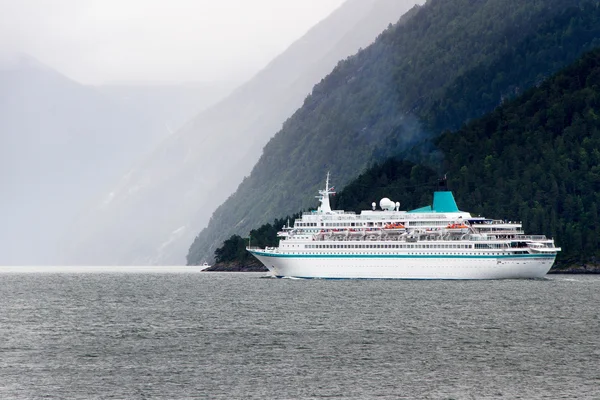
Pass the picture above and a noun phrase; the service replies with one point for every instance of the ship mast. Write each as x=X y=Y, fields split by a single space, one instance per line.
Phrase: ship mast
x=323 y=197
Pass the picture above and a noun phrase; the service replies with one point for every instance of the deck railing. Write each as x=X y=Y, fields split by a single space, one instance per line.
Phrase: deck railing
x=532 y=237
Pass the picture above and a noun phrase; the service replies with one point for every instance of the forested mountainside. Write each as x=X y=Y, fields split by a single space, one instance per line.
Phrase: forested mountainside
x=535 y=159
x=152 y=215
x=452 y=61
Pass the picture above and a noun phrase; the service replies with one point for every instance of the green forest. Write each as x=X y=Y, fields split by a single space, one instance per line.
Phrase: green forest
x=234 y=248
x=447 y=63
x=536 y=159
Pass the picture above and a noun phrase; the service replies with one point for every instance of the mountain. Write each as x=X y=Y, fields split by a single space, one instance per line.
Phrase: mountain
x=450 y=62
x=534 y=159
x=61 y=143
x=155 y=211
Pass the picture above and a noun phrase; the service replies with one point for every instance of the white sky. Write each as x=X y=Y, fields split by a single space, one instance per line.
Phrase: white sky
x=100 y=41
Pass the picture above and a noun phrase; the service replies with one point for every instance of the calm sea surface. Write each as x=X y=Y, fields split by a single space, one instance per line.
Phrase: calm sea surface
x=186 y=335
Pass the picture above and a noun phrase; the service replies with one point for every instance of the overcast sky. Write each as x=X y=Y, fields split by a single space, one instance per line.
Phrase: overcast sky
x=100 y=41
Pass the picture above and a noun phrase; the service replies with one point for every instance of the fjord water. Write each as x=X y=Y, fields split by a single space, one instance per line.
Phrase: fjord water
x=188 y=335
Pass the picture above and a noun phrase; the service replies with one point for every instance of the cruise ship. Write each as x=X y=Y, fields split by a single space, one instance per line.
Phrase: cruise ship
x=434 y=242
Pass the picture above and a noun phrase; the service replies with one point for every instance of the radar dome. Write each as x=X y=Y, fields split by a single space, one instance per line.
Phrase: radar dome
x=387 y=204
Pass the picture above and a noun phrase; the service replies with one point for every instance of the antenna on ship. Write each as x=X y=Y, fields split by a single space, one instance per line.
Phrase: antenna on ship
x=443 y=184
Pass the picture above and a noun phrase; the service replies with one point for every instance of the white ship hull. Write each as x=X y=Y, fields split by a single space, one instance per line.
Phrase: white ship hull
x=407 y=266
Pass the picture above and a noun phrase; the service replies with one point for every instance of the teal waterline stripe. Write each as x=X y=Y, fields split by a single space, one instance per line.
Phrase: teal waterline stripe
x=400 y=255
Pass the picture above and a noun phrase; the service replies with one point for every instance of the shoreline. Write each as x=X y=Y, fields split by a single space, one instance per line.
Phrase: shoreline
x=235 y=267
x=585 y=269
x=578 y=270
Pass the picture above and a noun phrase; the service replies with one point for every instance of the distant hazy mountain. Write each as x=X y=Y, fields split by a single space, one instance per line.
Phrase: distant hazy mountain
x=168 y=106
x=61 y=143
x=153 y=214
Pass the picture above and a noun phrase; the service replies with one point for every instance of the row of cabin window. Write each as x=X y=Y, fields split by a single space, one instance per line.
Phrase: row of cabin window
x=388 y=246
x=490 y=245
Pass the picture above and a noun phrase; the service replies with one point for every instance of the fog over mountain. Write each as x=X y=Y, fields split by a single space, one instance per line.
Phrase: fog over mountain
x=94 y=42
x=153 y=214
x=168 y=106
